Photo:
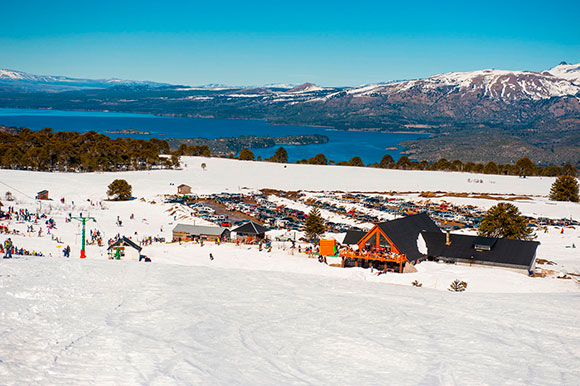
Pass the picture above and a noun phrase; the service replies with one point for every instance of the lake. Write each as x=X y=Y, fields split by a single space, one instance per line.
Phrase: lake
x=342 y=145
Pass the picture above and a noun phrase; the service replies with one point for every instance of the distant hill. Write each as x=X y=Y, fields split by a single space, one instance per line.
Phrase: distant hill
x=21 y=81
x=540 y=109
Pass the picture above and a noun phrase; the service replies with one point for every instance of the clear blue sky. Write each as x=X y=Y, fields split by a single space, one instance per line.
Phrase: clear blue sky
x=259 y=42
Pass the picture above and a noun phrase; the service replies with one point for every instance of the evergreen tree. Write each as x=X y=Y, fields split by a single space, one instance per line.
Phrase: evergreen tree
x=387 y=162
x=505 y=220
x=457 y=286
x=314 y=225
x=356 y=161
x=120 y=190
x=490 y=168
x=565 y=188
x=403 y=162
x=569 y=170
x=280 y=156
x=246 y=155
x=318 y=159
x=526 y=167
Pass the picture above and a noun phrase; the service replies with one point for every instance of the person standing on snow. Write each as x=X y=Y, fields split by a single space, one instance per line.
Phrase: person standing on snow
x=210 y=257
x=8 y=249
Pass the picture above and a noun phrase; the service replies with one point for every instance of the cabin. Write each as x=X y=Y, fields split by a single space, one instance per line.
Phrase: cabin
x=250 y=232
x=186 y=232
x=390 y=245
x=518 y=255
x=124 y=249
x=184 y=189
x=42 y=195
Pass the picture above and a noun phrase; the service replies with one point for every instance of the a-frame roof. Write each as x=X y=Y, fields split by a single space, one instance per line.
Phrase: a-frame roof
x=250 y=228
x=403 y=232
x=125 y=241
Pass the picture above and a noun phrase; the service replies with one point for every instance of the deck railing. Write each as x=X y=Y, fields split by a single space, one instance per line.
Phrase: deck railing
x=390 y=257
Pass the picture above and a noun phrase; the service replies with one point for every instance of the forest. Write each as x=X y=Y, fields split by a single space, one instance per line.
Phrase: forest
x=47 y=150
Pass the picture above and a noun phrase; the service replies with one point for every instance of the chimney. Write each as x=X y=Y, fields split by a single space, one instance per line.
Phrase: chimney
x=447 y=238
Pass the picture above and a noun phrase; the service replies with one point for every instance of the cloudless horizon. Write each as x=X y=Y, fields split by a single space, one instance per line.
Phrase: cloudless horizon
x=331 y=43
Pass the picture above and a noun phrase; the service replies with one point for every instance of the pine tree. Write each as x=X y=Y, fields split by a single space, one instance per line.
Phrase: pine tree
x=246 y=155
x=120 y=190
x=387 y=162
x=280 y=156
x=565 y=188
x=356 y=161
x=505 y=220
x=314 y=224
x=457 y=286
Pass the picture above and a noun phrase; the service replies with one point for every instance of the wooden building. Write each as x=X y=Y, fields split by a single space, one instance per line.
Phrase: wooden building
x=388 y=245
x=394 y=245
x=184 y=189
x=42 y=195
x=186 y=232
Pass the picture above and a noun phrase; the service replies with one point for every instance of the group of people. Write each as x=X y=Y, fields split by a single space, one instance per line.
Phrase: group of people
x=8 y=249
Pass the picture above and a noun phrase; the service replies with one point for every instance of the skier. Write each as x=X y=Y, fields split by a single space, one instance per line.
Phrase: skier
x=8 y=249
x=210 y=257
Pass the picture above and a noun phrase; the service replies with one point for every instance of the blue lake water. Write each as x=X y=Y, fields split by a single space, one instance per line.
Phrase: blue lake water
x=342 y=145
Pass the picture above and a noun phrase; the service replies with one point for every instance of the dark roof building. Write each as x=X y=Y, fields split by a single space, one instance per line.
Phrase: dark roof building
x=508 y=253
x=403 y=232
x=125 y=242
x=251 y=229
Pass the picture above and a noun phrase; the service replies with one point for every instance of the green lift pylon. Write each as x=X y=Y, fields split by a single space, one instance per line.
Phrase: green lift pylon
x=83 y=220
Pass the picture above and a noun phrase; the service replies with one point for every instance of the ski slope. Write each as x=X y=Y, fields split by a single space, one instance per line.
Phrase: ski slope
x=252 y=317
x=110 y=322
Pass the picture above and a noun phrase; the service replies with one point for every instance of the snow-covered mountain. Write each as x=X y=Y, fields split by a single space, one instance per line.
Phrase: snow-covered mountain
x=493 y=84
x=22 y=81
x=567 y=71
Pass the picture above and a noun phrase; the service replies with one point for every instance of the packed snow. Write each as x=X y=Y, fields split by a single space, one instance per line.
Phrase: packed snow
x=259 y=317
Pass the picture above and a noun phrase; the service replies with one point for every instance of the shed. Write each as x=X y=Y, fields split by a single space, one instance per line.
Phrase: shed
x=42 y=195
x=124 y=249
x=251 y=231
x=328 y=247
x=185 y=232
x=465 y=249
x=184 y=189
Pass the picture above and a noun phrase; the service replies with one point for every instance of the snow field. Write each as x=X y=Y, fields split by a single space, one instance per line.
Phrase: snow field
x=251 y=317
x=111 y=322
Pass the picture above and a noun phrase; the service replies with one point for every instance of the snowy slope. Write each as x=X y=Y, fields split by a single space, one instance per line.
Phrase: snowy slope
x=493 y=84
x=91 y=322
x=252 y=317
x=570 y=72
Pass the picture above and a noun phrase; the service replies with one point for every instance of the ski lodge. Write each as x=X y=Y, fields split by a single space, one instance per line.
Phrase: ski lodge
x=399 y=244
x=186 y=232
x=390 y=245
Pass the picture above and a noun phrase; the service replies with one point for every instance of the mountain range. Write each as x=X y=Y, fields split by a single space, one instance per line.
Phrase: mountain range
x=535 y=113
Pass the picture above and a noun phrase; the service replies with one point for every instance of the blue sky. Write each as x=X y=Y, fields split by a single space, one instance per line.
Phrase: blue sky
x=260 y=42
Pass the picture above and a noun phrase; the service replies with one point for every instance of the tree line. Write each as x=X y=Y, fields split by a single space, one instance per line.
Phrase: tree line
x=46 y=150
